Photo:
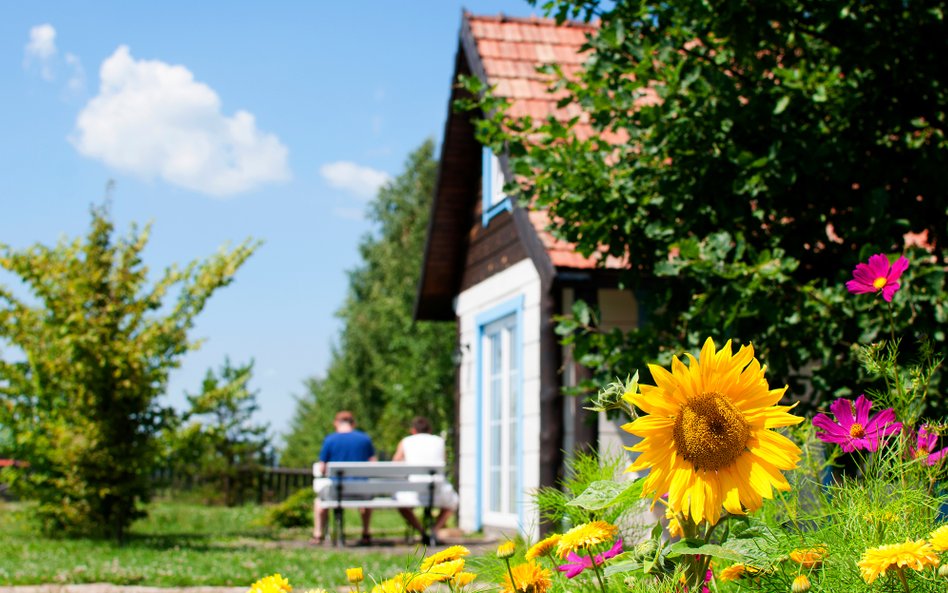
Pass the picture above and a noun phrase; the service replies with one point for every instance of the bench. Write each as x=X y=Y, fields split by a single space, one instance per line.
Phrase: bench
x=377 y=485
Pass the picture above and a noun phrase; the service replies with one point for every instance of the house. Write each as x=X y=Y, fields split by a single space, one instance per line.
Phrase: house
x=491 y=265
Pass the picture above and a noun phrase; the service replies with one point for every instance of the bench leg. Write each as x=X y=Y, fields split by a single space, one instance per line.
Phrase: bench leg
x=339 y=532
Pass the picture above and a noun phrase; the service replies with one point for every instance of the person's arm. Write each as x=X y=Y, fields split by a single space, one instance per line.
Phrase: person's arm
x=399 y=453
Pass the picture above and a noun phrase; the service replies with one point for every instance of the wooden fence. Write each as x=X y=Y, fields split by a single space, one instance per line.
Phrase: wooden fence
x=247 y=484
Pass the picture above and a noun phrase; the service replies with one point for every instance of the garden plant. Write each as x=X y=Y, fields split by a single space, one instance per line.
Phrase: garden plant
x=754 y=496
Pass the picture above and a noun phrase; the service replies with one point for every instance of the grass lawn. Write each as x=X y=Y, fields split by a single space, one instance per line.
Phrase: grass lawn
x=184 y=544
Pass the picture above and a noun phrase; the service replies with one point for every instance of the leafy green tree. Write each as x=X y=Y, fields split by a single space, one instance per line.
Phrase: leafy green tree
x=219 y=440
x=386 y=368
x=91 y=346
x=744 y=157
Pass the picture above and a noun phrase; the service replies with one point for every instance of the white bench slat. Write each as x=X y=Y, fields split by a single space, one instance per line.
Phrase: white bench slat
x=358 y=488
x=377 y=469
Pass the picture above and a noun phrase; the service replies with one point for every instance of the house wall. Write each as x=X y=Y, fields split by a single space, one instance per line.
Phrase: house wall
x=519 y=281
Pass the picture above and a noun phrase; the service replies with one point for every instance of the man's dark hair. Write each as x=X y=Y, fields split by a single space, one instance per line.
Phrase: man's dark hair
x=421 y=424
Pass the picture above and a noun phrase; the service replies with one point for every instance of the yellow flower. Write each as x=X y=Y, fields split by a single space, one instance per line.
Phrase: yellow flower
x=354 y=575
x=271 y=584
x=543 y=547
x=505 y=550
x=463 y=579
x=810 y=557
x=452 y=553
x=707 y=435
x=446 y=570
x=585 y=535
x=674 y=525
x=915 y=555
x=392 y=585
x=731 y=573
x=801 y=584
x=529 y=578
x=939 y=538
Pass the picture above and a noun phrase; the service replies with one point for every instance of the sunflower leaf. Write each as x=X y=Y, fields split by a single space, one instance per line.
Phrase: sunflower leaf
x=605 y=493
x=697 y=547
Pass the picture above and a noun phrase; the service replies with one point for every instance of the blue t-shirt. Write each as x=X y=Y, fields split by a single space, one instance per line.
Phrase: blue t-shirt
x=347 y=446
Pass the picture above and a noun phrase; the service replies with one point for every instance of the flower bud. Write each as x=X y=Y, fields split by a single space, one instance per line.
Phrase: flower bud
x=354 y=575
x=505 y=550
x=645 y=549
x=801 y=584
x=943 y=570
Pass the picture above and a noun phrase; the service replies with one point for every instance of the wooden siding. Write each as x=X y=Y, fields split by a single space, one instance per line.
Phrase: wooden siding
x=491 y=249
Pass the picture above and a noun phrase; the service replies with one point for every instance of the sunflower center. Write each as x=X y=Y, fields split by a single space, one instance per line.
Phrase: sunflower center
x=856 y=431
x=879 y=283
x=710 y=432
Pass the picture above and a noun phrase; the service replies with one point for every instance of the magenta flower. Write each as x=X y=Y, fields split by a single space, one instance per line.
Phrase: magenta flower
x=877 y=275
x=853 y=428
x=577 y=564
x=925 y=447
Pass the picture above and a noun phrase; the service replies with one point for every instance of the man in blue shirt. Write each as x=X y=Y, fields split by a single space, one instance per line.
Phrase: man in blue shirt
x=346 y=444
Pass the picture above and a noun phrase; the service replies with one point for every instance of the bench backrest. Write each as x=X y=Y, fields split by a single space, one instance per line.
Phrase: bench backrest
x=375 y=478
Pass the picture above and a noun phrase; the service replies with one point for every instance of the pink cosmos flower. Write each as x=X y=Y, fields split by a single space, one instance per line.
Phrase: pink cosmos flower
x=925 y=447
x=853 y=428
x=577 y=564
x=877 y=275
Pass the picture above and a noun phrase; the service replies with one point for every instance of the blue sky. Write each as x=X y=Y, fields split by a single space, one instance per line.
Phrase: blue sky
x=218 y=122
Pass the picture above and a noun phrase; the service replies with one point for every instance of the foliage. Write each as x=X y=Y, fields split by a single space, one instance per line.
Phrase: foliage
x=186 y=545
x=742 y=156
x=583 y=469
x=295 y=511
x=90 y=349
x=386 y=367
x=218 y=439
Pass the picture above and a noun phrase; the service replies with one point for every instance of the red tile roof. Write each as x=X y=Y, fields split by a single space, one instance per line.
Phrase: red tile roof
x=509 y=52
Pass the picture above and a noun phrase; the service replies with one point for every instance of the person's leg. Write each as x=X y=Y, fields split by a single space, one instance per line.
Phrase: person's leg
x=320 y=521
x=412 y=518
x=442 y=519
x=366 y=519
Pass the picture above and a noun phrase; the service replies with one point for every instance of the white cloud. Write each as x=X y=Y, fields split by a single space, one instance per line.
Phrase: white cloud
x=153 y=119
x=358 y=180
x=77 y=79
x=41 y=49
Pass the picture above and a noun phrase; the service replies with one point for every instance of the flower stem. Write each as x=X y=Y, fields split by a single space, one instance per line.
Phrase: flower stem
x=552 y=562
x=901 y=573
x=592 y=558
x=513 y=583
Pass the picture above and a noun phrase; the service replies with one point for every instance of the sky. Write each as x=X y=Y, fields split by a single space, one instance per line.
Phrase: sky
x=218 y=122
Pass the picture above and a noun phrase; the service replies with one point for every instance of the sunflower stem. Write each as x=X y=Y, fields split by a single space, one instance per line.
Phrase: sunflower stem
x=592 y=559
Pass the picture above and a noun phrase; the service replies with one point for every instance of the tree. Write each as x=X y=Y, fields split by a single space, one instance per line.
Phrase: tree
x=92 y=346
x=744 y=157
x=219 y=439
x=386 y=367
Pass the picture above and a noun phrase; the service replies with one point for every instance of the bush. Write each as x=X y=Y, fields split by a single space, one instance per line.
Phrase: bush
x=295 y=511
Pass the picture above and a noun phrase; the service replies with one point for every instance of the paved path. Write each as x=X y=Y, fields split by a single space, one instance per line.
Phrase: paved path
x=109 y=588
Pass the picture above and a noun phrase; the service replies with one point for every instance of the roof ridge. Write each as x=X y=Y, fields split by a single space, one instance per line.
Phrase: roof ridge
x=530 y=20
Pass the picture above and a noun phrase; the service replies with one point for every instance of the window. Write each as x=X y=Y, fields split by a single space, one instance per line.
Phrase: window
x=500 y=438
x=494 y=199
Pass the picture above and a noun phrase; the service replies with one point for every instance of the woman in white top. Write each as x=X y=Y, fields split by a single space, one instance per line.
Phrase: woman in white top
x=422 y=447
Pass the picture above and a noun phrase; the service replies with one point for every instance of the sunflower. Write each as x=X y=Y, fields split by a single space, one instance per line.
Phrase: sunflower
x=529 y=578
x=706 y=435
x=271 y=584
x=939 y=538
x=543 y=547
x=915 y=555
x=810 y=557
x=445 y=555
x=585 y=535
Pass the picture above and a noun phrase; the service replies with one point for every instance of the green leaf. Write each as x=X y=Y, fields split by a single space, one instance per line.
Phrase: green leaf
x=605 y=493
x=782 y=104
x=697 y=547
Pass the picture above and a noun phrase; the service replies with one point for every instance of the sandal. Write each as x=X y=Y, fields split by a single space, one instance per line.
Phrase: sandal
x=365 y=540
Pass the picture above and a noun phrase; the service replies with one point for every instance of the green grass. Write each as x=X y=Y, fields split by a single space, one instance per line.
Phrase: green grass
x=182 y=544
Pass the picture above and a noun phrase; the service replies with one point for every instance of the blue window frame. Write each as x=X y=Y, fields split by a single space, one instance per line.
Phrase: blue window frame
x=499 y=404
x=494 y=200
